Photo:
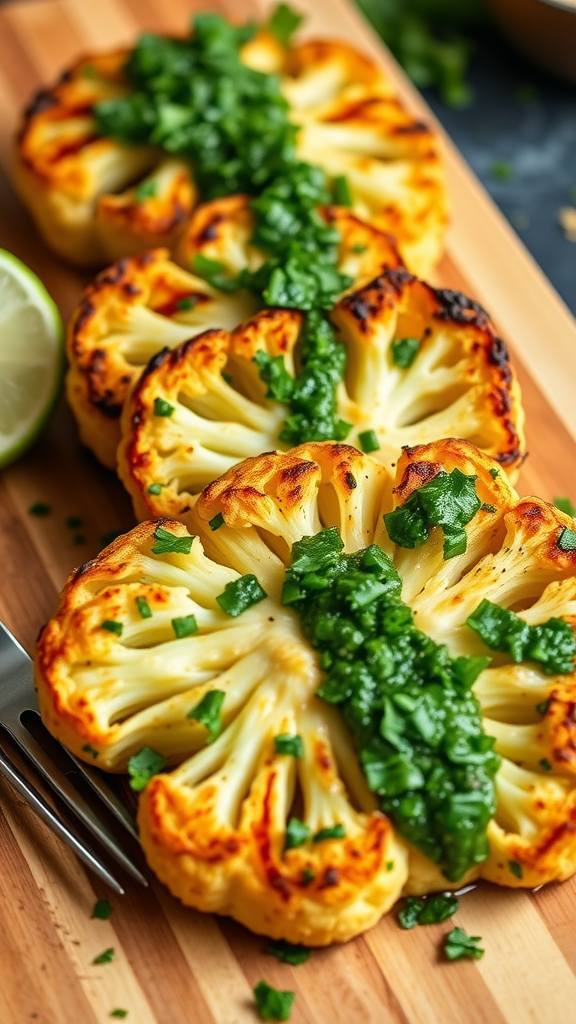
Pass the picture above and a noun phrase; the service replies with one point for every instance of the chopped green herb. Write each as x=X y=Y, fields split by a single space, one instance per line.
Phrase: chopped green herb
x=216 y=522
x=404 y=351
x=207 y=711
x=214 y=272
x=359 y=248
x=162 y=407
x=494 y=473
x=369 y=441
x=287 y=952
x=241 y=594
x=542 y=708
x=552 y=644
x=403 y=698
x=342 y=196
x=112 y=627
x=389 y=865
x=334 y=832
x=88 y=71
x=284 y=22
x=297 y=833
x=119 y=1014
x=142 y=766
x=143 y=608
x=289 y=745
x=145 y=190
x=102 y=910
x=545 y=764
x=567 y=539
x=155 y=489
x=438 y=908
x=408 y=916
x=273 y=372
x=271 y=1003
x=187 y=302
x=73 y=522
x=488 y=508
x=515 y=868
x=308 y=876
x=227 y=377
x=459 y=945
x=169 y=543
x=78 y=538
x=503 y=170
x=185 y=625
x=40 y=509
x=105 y=958
x=90 y=750
x=449 y=501
x=110 y=536
x=565 y=505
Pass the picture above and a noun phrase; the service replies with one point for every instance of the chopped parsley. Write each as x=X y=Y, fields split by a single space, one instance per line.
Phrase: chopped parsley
x=515 y=868
x=273 y=372
x=216 y=522
x=169 y=543
x=359 y=248
x=334 y=832
x=142 y=766
x=184 y=625
x=567 y=539
x=112 y=627
x=449 y=501
x=271 y=1003
x=545 y=764
x=145 y=190
x=241 y=594
x=404 y=351
x=552 y=644
x=40 y=509
x=283 y=23
x=119 y=1014
x=494 y=473
x=214 y=272
x=162 y=407
x=288 y=745
x=369 y=441
x=288 y=952
x=105 y=958
x=341 y=189
x=102 y=910
x=90 y=750
x=427 y=910
x=144 y=609
x=413 y=717
x=308 y=876
x=565 y=505
x=155 y=489
x=185 y=303
x=207 y=711
x=503 y=170
x=297 y=833
x=542 y=707
x=459 y=945
x=488 y=508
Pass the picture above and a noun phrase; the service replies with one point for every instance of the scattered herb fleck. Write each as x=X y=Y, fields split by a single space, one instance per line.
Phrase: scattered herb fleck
x=102 y=910
x=502 y=170
x=112 y=627
x=170 y=543
x=288 y=952
x=184 y=625
x=144 y=608
x=552 y=644
x=333 y=832
x=494 y=473
x=216 y=522
x=297 y=833
x=142 y=766
x=105 y=958
x=162 y=407
x=289 y=745
x=459 y=945
x=545 y=764
x=155 y=489
x=515 y=868
x=369 y=441
x=241 y=594
x=404 y=351
x=207 y=711
x=271 y=1003
x=449 y=501
x=90 y=750
x=567 y=539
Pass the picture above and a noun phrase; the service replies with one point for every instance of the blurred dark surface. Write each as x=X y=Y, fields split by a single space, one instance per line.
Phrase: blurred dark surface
x=519 y=136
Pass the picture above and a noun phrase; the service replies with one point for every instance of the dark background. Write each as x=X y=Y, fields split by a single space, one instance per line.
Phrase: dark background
x=523 y=117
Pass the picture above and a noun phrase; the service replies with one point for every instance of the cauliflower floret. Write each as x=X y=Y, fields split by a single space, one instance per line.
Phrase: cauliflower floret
x=131 y=312
x=80 y=186
x=96 y=200
x=141 y=639
x=459 y=383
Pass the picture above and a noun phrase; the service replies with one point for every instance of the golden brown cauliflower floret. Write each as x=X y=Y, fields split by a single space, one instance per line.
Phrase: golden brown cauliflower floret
x=133 y=310
x=96 y=200
x=115 y=675
x=459 y=384
x=145 y=304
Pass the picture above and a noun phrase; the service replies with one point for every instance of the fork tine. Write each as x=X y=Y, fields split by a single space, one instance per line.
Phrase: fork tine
x=10 y=772
x=64 y=788
x=106 y=794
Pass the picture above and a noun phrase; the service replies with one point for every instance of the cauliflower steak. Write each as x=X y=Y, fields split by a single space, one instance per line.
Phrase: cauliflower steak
x=96 y=199
x=420 y=364
x=191 y=649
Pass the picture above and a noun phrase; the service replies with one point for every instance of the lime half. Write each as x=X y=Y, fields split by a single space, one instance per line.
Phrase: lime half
x=31 y=356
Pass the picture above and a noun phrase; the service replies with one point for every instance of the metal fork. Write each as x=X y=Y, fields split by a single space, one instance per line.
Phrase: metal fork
x=20 y=720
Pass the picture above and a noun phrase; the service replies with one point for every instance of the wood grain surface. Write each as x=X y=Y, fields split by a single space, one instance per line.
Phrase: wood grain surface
x=172 y=965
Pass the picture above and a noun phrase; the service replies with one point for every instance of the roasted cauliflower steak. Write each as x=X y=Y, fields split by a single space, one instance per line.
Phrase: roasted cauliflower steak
x=96 y=200
x=459 y=384
x=146 y=303
x=143 y=636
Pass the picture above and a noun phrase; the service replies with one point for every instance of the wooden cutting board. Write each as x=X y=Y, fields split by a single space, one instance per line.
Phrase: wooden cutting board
x=171 y=965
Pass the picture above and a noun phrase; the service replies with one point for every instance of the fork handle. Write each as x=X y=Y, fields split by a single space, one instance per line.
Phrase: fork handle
x=10 y=772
